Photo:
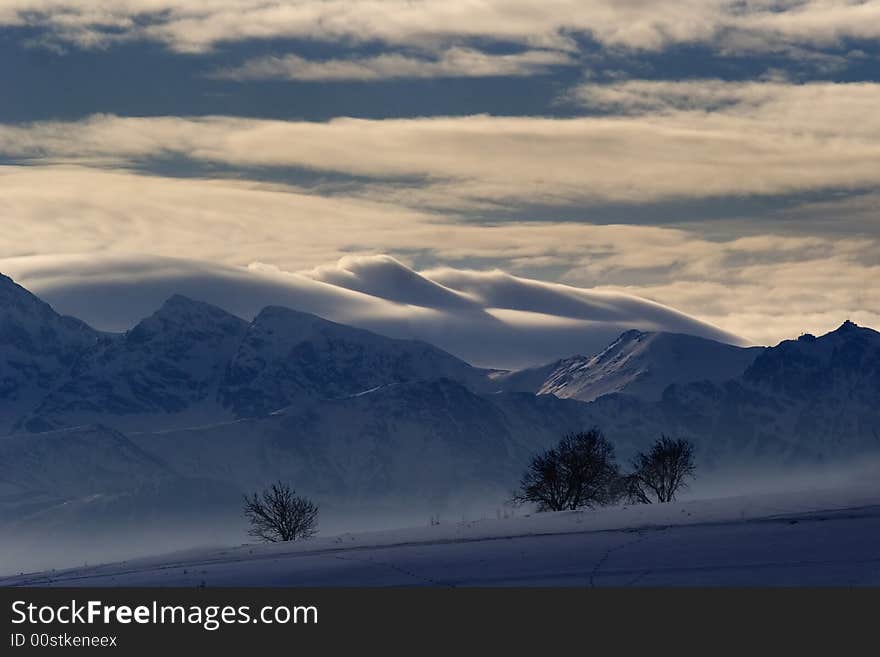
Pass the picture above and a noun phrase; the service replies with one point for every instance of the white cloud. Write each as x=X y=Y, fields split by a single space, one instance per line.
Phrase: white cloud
x=510 y=322
x=52 y=209
x=74 y=209
x=814 y=108
x=454 y=62
x=693 y=139
x=764 y=287
x=672 y=140
x=190 y=26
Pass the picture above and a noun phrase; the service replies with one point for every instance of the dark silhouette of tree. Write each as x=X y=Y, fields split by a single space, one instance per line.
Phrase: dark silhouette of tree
x=631 y=491
x=278 y=514
x=580 y=471
x=661 y=473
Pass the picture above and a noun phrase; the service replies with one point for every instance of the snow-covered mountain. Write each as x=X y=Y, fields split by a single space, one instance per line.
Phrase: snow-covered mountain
x=637 y=363
x=37 y=347
x=422 y=442
x=810 y=400
x=89 y=460
x=93 y=480
x=166 y=371
x=194 y=405
x=287 y=356
x=191 y=363
x=804 y=402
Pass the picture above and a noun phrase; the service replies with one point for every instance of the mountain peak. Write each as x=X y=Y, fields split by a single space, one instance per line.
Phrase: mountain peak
x=9 y=288
x=645 y=363
x=282 y=311
x=23 y=303
x=181 y=313
x=179 y=300
x=275 y=316
x=630 y=335
x=290 y=318
x=178 y=306
x=848 y=330
x=281 y=325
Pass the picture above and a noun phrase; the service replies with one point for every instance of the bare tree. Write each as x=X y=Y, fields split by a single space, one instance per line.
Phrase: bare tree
x=278 y=514
x=580 y=471
x=631 y=491
x=661 y=473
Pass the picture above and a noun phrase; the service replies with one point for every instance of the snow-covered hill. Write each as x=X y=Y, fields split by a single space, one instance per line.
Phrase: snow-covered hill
x=815 y=537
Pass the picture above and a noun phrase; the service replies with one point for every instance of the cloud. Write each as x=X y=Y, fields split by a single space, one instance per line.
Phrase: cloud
x=761 y=285
x=452 y=63
x=384 y=276
x=505 y=321
x=74 y=209
x=188 y=26
x=668 y=140
x=764 y=286
x=52 y=209
x=671 y=96
x=814 y=21
x=811 y=106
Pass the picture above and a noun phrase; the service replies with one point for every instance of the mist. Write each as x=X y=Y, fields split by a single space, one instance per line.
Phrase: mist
x=59 y=546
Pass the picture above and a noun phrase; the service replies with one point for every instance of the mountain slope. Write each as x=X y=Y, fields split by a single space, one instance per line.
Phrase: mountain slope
x=38 y=471
x=94 y=484
x=288 y=356
x=37 y=346
x=355 y=418
x=166 y=370
x=530 y=379
x=637 y=363
x=811 y=400
x=802 y=538
x=409 y=444
x=426 y=445
x=191 y=363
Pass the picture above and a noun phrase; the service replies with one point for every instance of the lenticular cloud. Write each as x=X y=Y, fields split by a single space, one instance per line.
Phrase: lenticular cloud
x=490 y=319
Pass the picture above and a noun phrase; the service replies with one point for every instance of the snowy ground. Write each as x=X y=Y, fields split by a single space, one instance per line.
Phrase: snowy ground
x=809 y=538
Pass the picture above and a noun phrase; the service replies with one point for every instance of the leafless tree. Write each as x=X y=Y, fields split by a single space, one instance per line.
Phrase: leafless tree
x=580 y=471
x=279 y=514
x=630 y=490
x=661 y=473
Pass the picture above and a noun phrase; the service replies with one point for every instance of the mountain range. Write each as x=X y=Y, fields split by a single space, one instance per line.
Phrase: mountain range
x=490 y=319
x=192 y=363
x=193 y=405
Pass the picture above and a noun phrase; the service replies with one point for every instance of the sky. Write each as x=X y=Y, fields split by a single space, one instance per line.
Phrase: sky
x=721 y=158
